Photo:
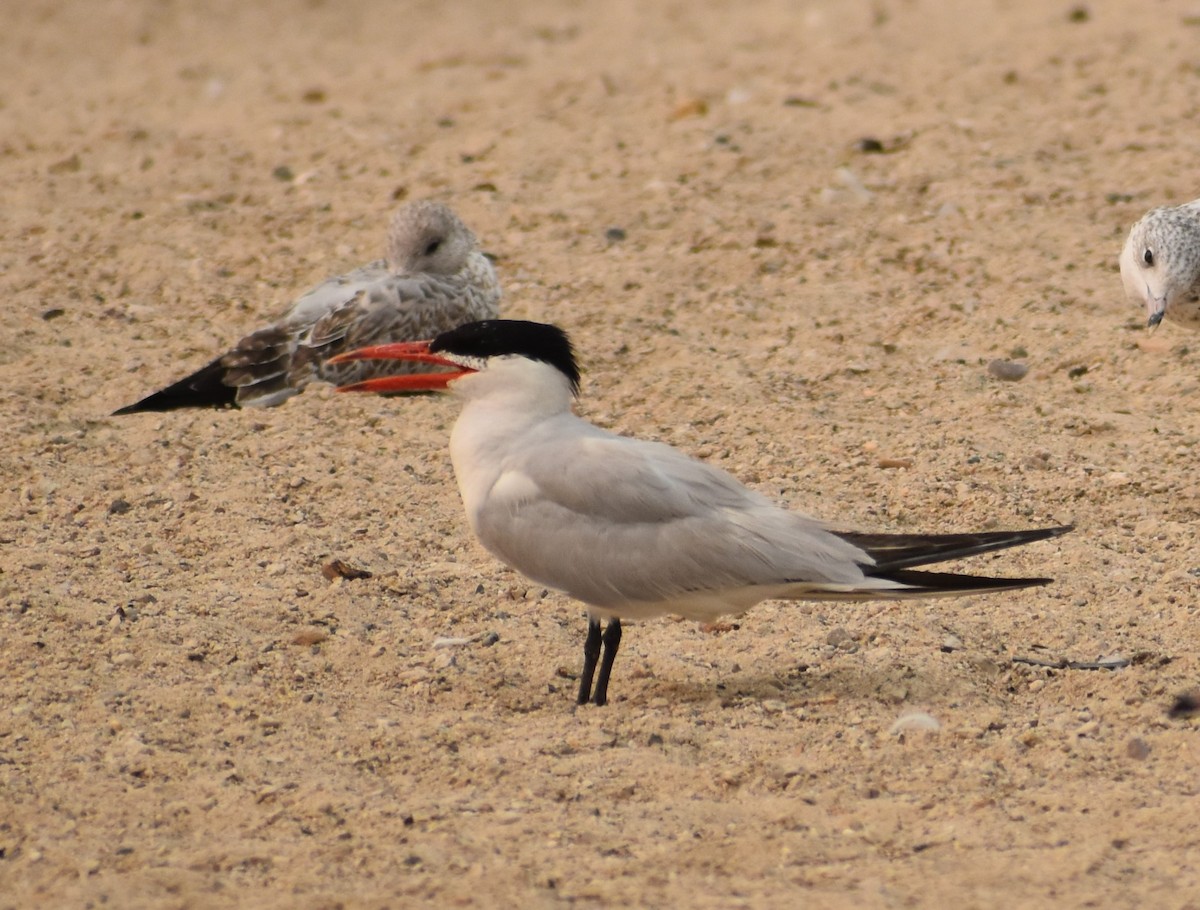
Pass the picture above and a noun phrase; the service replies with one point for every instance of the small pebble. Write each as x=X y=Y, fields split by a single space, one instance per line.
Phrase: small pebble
x=68 y=165
x=913 y=721
x=341 y=569
x=310 y=637
x=446 y=642
x=850 y=181
x=614 y=234
x=837 y=636
x=1137 y=749
x=1007 y=370
x=692 y=107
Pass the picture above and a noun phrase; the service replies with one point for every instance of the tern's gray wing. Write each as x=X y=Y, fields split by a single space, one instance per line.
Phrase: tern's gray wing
x=616 y=521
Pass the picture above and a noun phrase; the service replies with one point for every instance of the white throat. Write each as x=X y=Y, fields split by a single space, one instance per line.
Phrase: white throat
x=504 y=406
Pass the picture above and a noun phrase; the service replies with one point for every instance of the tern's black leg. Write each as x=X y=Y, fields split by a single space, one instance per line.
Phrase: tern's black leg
x=612 y=641
x=591 y=653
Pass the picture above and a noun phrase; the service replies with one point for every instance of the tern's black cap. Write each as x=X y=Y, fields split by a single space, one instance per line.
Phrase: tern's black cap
x=500 y=337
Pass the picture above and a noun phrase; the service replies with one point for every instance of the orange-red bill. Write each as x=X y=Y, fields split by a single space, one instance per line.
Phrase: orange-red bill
x=412 y=351
x=400 y=350
x=412 y=382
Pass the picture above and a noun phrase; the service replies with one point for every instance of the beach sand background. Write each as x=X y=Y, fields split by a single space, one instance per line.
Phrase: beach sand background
x=788 y=238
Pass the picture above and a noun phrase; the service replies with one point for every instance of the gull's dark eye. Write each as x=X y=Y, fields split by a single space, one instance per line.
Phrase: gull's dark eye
x=1148 y=257
x=435 y=244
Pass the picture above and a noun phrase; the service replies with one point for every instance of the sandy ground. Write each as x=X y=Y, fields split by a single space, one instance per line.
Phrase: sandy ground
x=195 y=717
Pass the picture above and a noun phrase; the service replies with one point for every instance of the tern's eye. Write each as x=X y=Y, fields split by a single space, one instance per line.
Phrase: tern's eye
x=1148 y=257
x=436 y=243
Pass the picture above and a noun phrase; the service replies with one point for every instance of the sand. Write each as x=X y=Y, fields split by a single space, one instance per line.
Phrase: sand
x=788 y=238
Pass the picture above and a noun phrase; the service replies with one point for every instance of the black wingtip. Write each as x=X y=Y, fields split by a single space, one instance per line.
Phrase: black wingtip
x=905 y=551
x=932 y=584
x=202 y=389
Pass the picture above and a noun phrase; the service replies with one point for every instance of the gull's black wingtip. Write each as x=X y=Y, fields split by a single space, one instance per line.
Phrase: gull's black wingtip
x=203 y=389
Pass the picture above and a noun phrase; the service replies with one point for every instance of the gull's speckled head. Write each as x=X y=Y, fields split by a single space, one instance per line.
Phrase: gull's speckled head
x=428 y=238
x=1160 y=264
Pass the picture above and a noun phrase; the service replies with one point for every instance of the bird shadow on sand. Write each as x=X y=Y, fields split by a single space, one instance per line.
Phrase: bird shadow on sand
x=892 y=683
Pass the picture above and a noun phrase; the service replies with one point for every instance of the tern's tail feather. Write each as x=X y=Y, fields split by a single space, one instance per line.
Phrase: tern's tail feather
x=203 y=389
x=893 y=552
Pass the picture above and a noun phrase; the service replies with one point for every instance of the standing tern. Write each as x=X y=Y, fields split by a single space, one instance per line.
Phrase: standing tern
x=433 y=278
x=1160 y=264
x=638 y=529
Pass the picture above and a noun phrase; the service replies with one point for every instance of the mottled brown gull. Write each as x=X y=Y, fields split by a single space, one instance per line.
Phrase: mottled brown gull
x=433 y=278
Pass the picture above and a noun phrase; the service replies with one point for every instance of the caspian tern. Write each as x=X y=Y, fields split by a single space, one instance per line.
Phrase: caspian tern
x=1160 y=264
x=638 y=529
x=433 y=278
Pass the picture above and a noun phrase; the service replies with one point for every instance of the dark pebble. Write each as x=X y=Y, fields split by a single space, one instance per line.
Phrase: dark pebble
x=1186 y=705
